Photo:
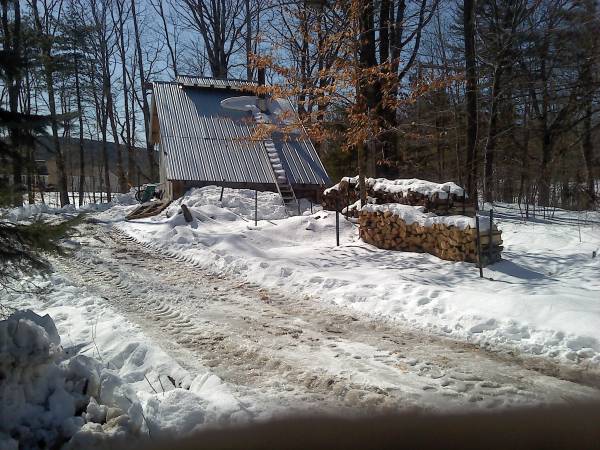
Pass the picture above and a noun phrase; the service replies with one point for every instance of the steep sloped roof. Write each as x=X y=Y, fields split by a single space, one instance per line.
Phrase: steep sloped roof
x=204 y=142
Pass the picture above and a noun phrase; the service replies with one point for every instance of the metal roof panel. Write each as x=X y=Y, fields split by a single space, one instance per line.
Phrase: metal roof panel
x=204 y=142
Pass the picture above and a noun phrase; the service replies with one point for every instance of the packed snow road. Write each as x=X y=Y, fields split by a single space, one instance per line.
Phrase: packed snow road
x=297 y=354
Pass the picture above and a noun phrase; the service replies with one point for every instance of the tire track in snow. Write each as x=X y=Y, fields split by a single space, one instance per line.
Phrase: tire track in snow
x=297 y=351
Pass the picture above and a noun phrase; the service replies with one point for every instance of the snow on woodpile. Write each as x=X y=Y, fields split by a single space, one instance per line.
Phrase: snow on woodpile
x=440 y=198
x=410 y=228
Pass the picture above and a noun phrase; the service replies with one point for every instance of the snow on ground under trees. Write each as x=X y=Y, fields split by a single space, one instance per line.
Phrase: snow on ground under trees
x=542 y=299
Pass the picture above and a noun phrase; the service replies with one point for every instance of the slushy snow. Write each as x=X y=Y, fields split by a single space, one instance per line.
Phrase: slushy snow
x=542 y=299
x=103 y=383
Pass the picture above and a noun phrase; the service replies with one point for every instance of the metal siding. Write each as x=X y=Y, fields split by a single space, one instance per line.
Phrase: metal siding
x=204 y=142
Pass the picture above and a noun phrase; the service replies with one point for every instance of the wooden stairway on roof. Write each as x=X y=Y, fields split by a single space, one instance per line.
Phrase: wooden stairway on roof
x=283 y=185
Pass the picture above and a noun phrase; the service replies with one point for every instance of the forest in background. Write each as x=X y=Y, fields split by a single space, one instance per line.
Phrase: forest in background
x=501 y=96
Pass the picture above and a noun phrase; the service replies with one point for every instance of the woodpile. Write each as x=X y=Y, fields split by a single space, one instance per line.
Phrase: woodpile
x=147 y=209
x=341 y=195
x=346 y=192
x=385 y=229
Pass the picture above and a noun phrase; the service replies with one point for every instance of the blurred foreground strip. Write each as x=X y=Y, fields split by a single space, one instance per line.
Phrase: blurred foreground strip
x=576 y=427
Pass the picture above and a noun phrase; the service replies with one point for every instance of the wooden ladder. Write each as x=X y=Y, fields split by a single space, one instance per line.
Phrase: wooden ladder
x=284 y=187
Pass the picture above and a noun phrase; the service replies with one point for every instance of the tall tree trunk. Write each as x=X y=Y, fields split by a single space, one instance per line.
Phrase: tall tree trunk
x=471 y=95
x=588 y=157
x=60 y=159
x=110 y=111
x=48 y=62
x=13 y=81
x=102 y=119
x=368 y=92
x=490 y=146
x=144 y=89
x=81 y=141
x=248 y=42
x=545 y=175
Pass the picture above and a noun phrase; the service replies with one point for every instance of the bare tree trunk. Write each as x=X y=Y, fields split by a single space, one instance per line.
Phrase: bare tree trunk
x=490 y=146
x=110 y=109
x=14 y=86
x=143 y=85
x=48 y=62
x=248 y=42
x=81 y=140
x=471 y=95
x=158 y=7
x=588 y=157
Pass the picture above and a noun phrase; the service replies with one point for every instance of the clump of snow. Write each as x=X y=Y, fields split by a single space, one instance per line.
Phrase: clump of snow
x=416 y=214
x=404 y=186
x=40 y=394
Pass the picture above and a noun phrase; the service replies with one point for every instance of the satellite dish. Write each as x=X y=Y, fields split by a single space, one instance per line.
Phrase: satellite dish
x=241 y=103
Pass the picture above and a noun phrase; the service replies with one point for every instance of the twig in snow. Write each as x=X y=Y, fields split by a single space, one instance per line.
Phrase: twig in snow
x=161 y=385
x=155 y=391
x=94 y=331
x=143 y=416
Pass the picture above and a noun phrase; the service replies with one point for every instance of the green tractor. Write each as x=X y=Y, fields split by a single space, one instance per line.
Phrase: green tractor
x=147 y=192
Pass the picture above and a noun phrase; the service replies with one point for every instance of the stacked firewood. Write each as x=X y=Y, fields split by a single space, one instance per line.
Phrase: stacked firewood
x=341 y=195
x=346 y=192
x=451 y=238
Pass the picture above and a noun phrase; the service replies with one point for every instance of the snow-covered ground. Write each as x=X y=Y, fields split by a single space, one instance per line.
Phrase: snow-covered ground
x=51 y=211
x=137 y=390
x=51 y=199
x=543 y=299
x=167 y=350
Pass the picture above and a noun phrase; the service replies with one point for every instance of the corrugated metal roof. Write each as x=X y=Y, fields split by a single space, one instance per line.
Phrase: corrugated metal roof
x=204 y=142
x=207 y=82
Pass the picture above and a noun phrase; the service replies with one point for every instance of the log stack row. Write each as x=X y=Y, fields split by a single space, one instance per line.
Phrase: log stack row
x=385 y=229
x=346 y=192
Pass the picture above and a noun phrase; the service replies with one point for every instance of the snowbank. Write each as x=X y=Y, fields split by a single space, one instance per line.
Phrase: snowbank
x=40 y=211
x=542 y=299
x=41 y=396
x=235 y=204
x=106 y=383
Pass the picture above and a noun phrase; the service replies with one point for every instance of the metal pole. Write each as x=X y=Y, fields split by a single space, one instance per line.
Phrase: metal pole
x=337 y=223
x=347 y=200
x=221 y=196
x=478 y=246
x=255 y=208
x=490 y=235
